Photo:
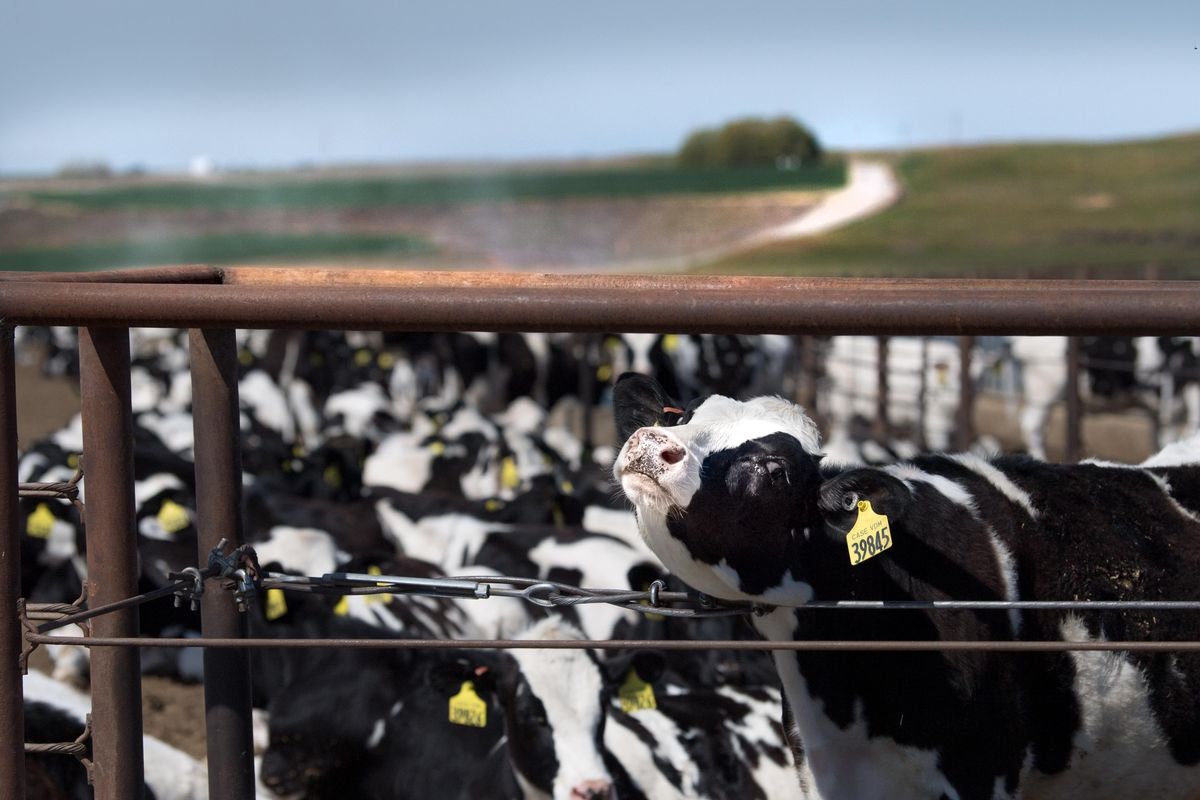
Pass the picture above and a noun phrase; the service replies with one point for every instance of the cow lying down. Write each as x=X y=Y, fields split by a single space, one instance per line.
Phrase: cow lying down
x=734 y=499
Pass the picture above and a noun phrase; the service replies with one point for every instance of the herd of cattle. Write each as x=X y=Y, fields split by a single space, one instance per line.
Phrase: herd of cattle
x=450 y=454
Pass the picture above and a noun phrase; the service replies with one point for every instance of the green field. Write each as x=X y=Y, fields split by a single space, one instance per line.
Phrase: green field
x=1129 y=209
x=213 y=249
x=342 y=193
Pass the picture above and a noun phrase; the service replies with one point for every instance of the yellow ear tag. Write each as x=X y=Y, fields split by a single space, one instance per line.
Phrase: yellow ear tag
x=40 y=523
x=245 y=358
x=376 y=598
x=362 y=358
x=567 y=487
x=467 y=708
x=333 y=476
x=437 y=448
x=670 y=343
x=509 y=478
x=603 y=373
x=635 y=694
x=870 y=536
x=276 y=604
x=73 y=461
x=386 y=360
x=492 y=504
x=173 y=517
x=343 y=606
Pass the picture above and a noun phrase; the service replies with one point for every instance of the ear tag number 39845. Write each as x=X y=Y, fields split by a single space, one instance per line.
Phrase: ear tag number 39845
x=870 y=536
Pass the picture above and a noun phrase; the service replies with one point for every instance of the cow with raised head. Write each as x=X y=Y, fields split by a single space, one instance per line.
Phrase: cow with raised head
x=734 y=499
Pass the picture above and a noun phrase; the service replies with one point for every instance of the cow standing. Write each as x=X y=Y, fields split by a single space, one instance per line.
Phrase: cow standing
x=733 y=497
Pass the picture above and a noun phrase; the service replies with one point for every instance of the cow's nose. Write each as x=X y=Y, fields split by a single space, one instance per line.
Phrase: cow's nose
x=593 y=790
x=653 y=444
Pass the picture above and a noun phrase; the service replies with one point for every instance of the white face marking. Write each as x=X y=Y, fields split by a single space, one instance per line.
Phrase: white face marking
x=600 y=562
x=267 y=402
x=569 y=684
x=305 y=551
x=60 y=544
x=400 y=462
x=357 y=407
x=448 y=540
x=999 y=480
x=719 y=423
x=155 y=485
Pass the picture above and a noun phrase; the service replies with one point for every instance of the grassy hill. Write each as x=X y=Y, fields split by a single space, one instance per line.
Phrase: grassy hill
x=387 y=218
x=1129 y=209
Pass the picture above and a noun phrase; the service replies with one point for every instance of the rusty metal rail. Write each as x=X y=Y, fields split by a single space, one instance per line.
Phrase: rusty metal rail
x=213 y=301
x=587 y=303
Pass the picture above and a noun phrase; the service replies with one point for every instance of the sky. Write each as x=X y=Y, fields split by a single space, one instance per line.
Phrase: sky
x=268 y=83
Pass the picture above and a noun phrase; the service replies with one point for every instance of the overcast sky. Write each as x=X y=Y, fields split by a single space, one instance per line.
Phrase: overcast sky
x=274 y=82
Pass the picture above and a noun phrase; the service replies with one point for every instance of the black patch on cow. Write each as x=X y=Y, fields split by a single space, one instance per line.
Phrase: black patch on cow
x=751 y=509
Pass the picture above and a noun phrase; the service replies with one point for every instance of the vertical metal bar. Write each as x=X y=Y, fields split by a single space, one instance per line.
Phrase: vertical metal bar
x=1074 y=405
x=807 y=395
x=12 y=717
x=111 y=560
x=218 y=516
x=966 y=395
x=922 y=394
x=882 y=428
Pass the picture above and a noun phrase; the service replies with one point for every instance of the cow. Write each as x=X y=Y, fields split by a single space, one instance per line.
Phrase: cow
x=735 y=500
x=923 y=385
x=1157 y=374
x=380 y=724
x=56 y=712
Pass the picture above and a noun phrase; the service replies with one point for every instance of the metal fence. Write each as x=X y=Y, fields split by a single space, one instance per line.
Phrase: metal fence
x=212 y=303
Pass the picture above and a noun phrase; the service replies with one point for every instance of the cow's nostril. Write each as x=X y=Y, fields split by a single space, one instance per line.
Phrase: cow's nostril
x=673 y=455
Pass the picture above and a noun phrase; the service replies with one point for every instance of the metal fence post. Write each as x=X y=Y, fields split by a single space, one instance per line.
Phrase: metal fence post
x=882 y=429
x=1074 y=405
x=12 y=716
x=966 y=394
x=218 y=516
x=111 y=560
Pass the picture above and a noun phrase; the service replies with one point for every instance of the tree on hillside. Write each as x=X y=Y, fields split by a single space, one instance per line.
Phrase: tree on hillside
x=751 y=142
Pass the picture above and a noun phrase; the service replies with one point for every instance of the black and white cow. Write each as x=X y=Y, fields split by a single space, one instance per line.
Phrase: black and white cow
x=378 y=724
x=55 y=712
x=732 y=496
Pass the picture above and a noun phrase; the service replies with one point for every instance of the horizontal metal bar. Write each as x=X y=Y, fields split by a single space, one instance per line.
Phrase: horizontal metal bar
x=1000 y=605
x=195 y=273
x=683 y=304
x=630 y=644
x=108 y=608
x=433 y=587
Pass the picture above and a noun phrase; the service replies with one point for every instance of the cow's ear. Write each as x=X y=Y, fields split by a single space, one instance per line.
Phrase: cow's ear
x=840 y=496
x=639 y=402
x=648 y=664
x=486 y=670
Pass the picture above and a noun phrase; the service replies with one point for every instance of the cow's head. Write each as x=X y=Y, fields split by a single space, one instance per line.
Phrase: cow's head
x=726 y=492
x=555 y=709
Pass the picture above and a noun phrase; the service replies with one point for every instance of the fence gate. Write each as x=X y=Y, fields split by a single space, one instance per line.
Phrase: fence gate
x=212 y=303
